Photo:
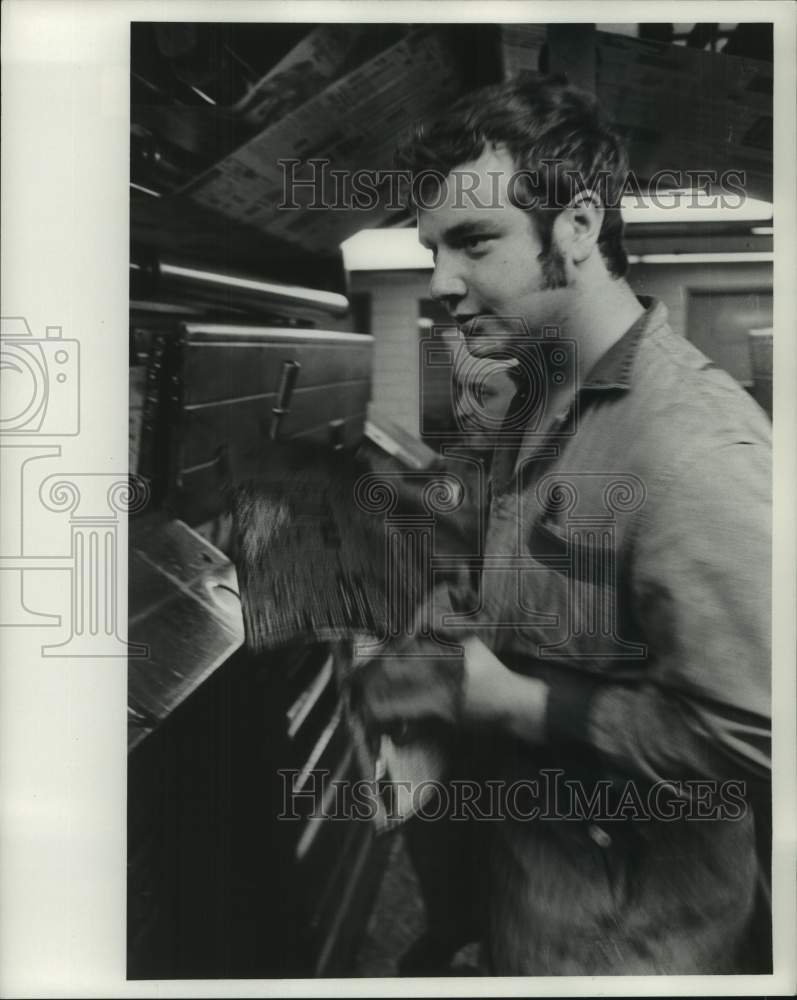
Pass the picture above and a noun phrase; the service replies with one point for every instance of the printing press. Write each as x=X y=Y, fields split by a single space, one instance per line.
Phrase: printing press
x=218 y=886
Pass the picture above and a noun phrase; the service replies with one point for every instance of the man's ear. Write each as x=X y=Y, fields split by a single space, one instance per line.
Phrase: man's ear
x=579 y=226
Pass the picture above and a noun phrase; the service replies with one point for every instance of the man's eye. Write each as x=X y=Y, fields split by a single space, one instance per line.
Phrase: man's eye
x=476 y=244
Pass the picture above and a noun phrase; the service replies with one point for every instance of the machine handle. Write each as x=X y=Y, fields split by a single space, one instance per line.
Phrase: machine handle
x=290 y=373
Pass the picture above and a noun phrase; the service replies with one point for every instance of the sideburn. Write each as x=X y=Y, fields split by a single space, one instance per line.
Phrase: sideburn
x=550 y=258
x=552 y=262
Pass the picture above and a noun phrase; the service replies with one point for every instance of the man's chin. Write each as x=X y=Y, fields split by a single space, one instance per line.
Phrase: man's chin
x=488 y=347
x=489 y=336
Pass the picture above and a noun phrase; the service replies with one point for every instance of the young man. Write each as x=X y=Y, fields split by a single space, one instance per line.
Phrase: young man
x=616 y=676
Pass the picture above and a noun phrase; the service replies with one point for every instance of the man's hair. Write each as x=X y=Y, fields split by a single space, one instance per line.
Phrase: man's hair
x=560 y=143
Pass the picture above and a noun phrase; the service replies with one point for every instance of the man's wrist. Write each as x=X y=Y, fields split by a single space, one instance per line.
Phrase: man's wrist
x=527 y=708
x=499 y=697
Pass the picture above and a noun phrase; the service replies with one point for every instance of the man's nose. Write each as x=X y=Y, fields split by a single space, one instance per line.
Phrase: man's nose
x=446 y=285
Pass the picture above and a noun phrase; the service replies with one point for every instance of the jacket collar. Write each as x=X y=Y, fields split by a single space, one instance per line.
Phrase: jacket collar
x=613 y=369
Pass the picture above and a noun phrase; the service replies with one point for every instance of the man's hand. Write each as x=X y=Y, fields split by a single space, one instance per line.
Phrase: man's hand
x=417 y=685
x=413 y=685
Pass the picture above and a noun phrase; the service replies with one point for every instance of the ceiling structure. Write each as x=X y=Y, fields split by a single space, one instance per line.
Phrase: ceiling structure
x=212 y=104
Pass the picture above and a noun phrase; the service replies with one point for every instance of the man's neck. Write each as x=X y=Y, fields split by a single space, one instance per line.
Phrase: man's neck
x=598 y=319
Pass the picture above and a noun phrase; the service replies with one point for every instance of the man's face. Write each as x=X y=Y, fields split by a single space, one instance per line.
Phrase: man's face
x=488 y=267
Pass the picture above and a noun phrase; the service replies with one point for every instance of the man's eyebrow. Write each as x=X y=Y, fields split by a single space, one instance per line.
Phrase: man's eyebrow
x=464 y=230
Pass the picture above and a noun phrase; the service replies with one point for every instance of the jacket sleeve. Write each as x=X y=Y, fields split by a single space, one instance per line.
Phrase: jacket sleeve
x=701 y=587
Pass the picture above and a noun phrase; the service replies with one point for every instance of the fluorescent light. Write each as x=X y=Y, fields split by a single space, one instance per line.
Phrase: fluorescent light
x=145 y=190
x=330 y=300
x=203 y=95
x=693 y=206
x=399 y=249
x=386 y=250
x=762 y=231
x=701 y=258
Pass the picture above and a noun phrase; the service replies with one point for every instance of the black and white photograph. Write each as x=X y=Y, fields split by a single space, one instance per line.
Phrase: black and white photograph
x=446 y=585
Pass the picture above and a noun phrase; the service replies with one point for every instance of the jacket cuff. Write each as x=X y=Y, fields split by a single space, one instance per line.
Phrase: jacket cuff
x=567 y=713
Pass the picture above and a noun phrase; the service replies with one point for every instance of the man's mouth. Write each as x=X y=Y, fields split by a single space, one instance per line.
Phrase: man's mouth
x=469 y=325
x=486 y=334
